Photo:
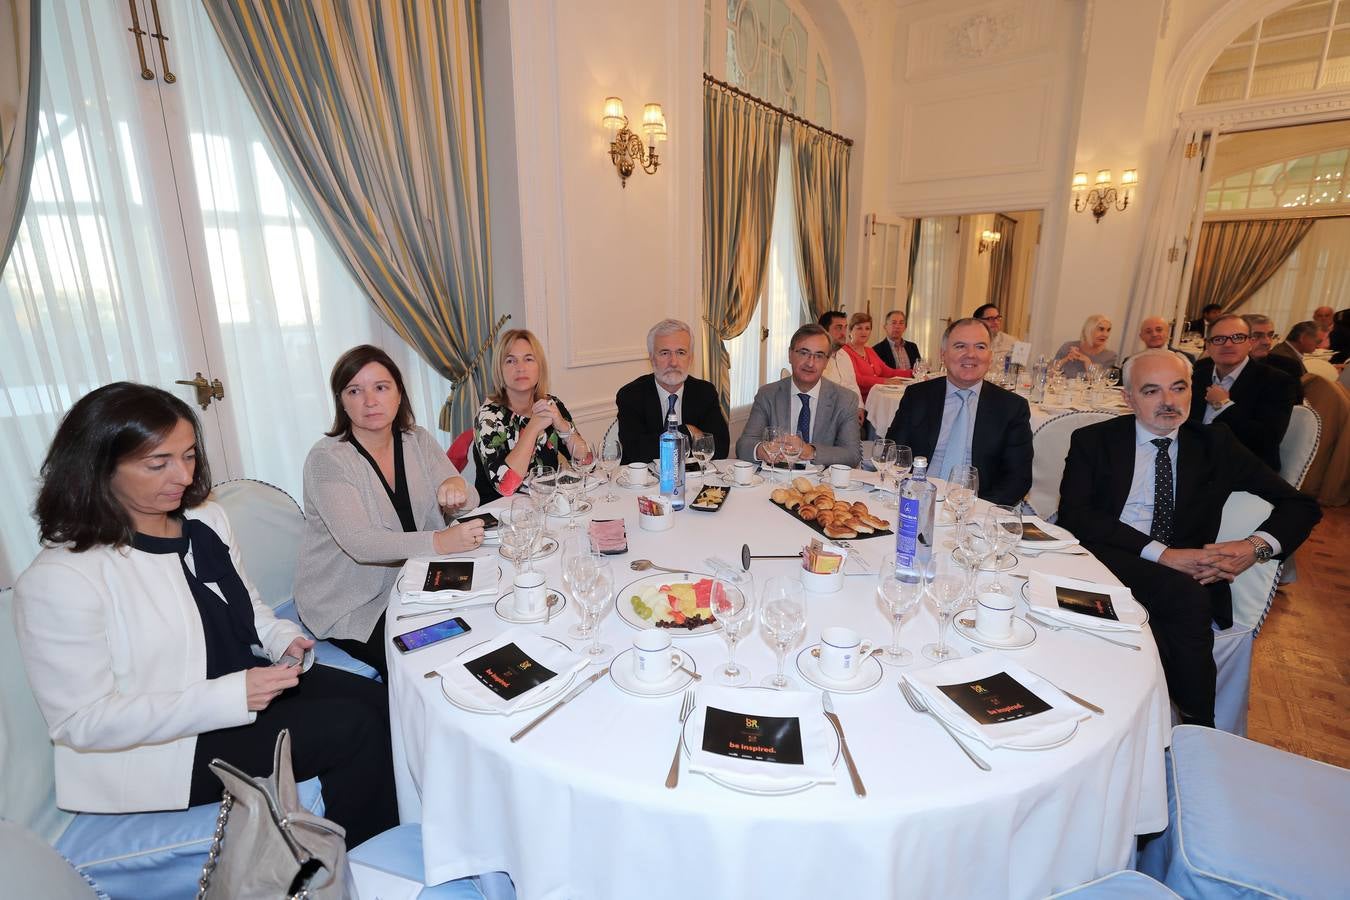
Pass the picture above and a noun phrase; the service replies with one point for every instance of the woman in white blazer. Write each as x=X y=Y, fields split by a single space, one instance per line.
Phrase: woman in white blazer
x=148 y=650
x=376 y=490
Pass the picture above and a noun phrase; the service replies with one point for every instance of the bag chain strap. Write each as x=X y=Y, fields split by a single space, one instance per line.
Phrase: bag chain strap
x=213 y=855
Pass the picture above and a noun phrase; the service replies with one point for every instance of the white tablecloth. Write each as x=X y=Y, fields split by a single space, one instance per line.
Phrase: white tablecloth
x=578 y=808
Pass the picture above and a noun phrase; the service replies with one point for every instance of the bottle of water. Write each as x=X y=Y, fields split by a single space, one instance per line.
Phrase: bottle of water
x=914 y=533
x=1040 y=374
x=674 y=449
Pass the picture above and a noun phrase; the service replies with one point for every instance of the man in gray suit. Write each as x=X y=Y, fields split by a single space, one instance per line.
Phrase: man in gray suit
x=820 y=415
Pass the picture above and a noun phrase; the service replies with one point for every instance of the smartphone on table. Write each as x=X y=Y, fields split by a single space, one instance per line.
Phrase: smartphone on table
x=429 y=635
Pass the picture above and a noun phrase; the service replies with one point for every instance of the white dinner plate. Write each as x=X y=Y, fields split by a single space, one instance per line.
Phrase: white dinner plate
x=621 y=673
x=547 y=547
x=506 y=610
x=693 y=737
x=868 y=678
x=548 y=692
x=808 y=470
x=623 y=603
x=1086 y=620
x=1023 y=634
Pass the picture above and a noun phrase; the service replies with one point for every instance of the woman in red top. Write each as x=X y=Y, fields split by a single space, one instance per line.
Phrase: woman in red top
x=868 y=366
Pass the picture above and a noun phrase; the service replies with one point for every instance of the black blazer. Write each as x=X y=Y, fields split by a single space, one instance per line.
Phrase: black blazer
x=1211 y=465
x=1263 y=399
x=883 y=349
x=1000 y=445
x=642 y=419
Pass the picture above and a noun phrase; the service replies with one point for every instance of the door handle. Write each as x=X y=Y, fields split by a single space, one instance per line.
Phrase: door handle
x=159 y=35
x=763 y=335
x=146 y=71
x=206 y=390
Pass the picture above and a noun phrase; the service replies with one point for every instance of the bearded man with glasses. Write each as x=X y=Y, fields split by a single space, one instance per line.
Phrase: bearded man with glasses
x=1252 y=398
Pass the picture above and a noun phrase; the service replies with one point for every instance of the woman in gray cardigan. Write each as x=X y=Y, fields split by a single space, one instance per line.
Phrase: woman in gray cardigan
x=376 y=488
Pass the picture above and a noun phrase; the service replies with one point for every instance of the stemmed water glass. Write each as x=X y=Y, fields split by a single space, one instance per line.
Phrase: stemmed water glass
x=702 y=449
x=783 y=614
x=963 y=485
x=572 y=486
x=975 y=546
x=611 y=455
x=791 y=450
x=904 y=462
x=1003 y=525
x=772 y=445
x=578 y=571
x=523 y=529
x=733 y=604
x=947 y=591
x=543 y=484
x=883 y=460
x=920 y=370
x=594 y=599
x=899 y=597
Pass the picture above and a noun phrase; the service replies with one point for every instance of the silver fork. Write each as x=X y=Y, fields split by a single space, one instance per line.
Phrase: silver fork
x=686 y=707
x=916 y=703
x=1045 y=623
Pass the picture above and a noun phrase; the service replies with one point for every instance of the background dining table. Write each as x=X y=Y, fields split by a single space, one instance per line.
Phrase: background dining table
x=884 y=399
x=579 y=809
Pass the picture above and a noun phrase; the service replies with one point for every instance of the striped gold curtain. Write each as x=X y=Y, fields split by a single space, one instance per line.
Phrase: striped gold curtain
x=820 y=185
x=376 y=109
x=740 y=167
x=20 y=52
x=1235 y=258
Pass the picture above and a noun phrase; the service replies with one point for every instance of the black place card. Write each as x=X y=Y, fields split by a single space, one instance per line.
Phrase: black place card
x=1089 y=603
x=456 y=575
x=772 y=739
x=508 y=671
x=998 y=698
x=1031 y=532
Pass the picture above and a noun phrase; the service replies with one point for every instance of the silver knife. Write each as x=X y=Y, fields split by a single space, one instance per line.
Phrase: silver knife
x=563 y=702
x=1081 y=702
x=828 y=703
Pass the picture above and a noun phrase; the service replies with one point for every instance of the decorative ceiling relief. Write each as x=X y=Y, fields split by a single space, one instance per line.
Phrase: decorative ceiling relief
x=983 y=34
x=996 y=33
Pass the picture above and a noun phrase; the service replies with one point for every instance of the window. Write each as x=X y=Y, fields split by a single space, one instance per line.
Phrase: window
x=1303 y=47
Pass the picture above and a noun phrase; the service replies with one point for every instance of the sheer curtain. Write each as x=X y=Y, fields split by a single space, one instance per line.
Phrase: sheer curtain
x=933 y=281
x=1316 y=274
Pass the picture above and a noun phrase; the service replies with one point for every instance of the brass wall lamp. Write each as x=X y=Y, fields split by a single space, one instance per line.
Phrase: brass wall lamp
x=625 y=147
x=1103 y=195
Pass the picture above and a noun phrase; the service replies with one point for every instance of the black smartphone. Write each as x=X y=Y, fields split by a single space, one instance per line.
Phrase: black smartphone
x=489 y=520
x=431 y=634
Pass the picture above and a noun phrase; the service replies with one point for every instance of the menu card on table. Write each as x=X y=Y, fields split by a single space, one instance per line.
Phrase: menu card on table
x=1089 y=603
x=775 y=739
x=508 y=671
x=1032 y=532
x=997 y=698
x=451 y=575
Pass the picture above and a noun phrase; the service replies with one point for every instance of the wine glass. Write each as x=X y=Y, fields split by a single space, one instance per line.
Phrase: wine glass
x=904 y=462
x=572 y=486
x=899 y=596
x=543 y=484
x=733 y=604
x=702 y=449
x=921 y=370
x=783 y=614
x=584 y=465
x=772 y=444
x=883 y=458
x=791 y=450
x=595 y=599
x=946 y=593
x=1003 y=524
x=578 y=570
x=975 y=546
x=611 y=455
x=524 y=527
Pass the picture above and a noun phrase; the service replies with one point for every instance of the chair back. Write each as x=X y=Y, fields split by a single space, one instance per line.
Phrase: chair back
x=1318 y=366
x=268 y=526
x=1300 y=444
x=1254 y=589
x=1328 y=478
x=27 y=766
x=1050 y=446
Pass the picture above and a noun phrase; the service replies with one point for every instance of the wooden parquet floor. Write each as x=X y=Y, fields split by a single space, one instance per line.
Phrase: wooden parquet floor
x=1300 y=696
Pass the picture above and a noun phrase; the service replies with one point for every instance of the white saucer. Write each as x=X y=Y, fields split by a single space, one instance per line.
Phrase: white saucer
x=1023 y=634
x=506 y=611
x=1009 y=563
x=868 y=678
x=730 y=481
x=621 y=673
x=579 y=510
x=547 y=547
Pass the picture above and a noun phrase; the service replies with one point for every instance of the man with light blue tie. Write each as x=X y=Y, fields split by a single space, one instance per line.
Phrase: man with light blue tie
x=821 y=416
x=964 y=420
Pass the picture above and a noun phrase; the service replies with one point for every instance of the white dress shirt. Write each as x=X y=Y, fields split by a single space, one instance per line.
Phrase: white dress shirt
x=949 y=409
x=842 y=374
x=665 y=396
x=1226 y=382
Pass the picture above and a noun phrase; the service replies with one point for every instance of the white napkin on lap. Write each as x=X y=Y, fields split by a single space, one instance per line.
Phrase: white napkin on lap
x=818 y=745
x=549 y=654
x=1041 y=598
x=1042 y=727
x=486 y=574
x=1063 y=538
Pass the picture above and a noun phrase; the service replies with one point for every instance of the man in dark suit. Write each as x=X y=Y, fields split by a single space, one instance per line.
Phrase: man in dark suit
x=1251 y=398
x=1208 y=315
x=644 y=402
x=962 y=419
x=893 y=349
x=1145 y=493
x=1288 y=354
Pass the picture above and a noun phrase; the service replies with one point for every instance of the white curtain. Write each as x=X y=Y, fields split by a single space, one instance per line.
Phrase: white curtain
x=935 y=273
x=1316 y=274
x=94 y=289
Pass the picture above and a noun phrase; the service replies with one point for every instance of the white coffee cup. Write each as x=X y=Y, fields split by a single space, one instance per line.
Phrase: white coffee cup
x=638 y=473
x=994 y=615
x=743 y=472
x=653 y=660
x=841 y=653
x=840 y=475
x=529 y=593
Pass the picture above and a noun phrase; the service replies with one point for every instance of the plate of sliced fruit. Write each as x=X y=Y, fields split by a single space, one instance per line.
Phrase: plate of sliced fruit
x=678 y=602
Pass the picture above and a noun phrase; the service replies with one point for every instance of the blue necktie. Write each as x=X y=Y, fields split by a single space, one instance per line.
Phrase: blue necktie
x=958 y=439
x=804 y=419
x=671 y=408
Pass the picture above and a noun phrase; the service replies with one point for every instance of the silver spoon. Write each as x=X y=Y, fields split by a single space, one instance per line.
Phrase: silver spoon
x=642 y=565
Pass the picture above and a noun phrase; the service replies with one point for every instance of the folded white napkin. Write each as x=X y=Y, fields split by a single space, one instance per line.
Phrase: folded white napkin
x=1041 y=728
x=486 y=576
x=1041 y=598
x=549 y=654
x=818 y=742
x=1063 y=538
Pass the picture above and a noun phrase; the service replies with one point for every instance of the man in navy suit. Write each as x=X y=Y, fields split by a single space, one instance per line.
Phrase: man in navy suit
x=964 y=420
x=644 y=402
x=893 y=349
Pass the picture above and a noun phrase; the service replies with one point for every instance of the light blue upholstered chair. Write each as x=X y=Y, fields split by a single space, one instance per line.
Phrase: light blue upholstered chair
x=1247 y=820
x=398 y=852
x=1124 y=885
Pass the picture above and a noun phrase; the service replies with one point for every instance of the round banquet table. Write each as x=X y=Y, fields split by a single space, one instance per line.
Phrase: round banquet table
x=578 y=808
x=884 y=399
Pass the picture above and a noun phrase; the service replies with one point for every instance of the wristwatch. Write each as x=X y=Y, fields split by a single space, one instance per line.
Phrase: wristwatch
x=1263 y=551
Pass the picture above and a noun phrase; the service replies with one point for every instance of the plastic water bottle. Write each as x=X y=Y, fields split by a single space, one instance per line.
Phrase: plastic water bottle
x=1040 y=374
x=914 y=534
x=674 y=449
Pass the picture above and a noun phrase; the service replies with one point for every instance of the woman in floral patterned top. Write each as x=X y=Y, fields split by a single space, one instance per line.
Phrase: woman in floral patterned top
x=521 y=426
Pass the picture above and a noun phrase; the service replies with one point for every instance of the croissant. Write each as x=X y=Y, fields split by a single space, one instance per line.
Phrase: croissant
x=875 y=522
x=801 y=484
x=839 y=533
x=807 y=512
x=824 y=502
x=859 y=508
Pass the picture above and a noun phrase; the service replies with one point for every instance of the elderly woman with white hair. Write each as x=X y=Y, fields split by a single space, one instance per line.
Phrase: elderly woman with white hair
x=1073 y=358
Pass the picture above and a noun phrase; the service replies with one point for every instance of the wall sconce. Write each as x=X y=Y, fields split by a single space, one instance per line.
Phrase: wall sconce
x=625 y=147
x=988 y=239
x=1103 y=196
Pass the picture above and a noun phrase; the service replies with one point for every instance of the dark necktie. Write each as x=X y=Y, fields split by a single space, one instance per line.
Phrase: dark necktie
x=804 y=419
x=671 y=407
x=1163 y=502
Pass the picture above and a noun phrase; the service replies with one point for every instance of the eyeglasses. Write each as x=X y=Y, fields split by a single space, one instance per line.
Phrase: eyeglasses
x=1219 y=340
x=803 y=354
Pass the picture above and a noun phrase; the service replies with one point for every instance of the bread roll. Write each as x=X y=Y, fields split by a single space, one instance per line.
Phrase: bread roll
x=839 y=533
x=779 y=495
x=801 y=484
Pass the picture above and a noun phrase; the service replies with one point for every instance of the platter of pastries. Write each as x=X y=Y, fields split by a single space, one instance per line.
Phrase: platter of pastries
x=816 y=505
